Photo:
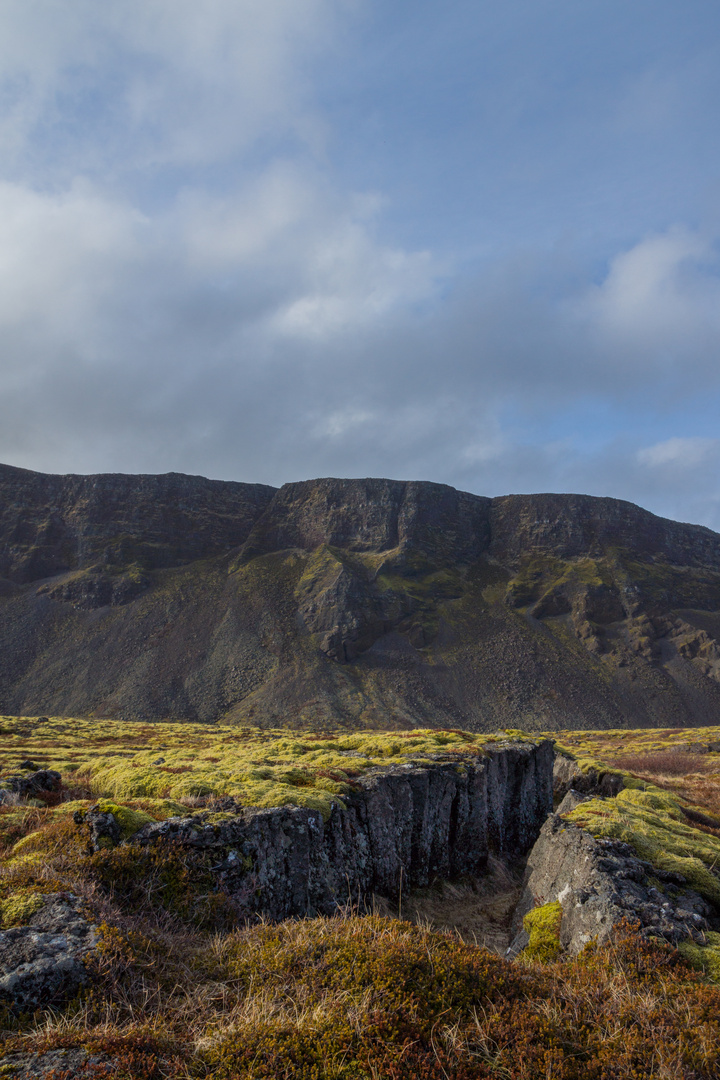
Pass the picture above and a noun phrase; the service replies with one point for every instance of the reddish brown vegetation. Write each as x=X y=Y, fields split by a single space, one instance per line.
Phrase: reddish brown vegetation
x=694 y=776
x=364 y=998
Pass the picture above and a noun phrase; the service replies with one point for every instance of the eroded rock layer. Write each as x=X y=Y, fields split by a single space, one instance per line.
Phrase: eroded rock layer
x=373 y=603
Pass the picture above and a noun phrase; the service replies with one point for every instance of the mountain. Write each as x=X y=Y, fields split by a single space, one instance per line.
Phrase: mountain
x=373 y=603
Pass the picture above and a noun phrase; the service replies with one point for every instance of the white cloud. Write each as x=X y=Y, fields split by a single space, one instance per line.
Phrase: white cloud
x=184 y=283
x=659 y=303
x=679 y=453
x=135 y=83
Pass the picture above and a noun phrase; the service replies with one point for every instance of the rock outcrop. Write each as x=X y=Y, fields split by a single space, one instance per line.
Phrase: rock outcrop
x=44 y=962
x=568 y=776
x=53 y=524
x=404 y=826
x=598 y=883
x=29 y=785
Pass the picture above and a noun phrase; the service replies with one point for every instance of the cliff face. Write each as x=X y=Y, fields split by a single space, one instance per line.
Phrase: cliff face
x=404 y=826
x=576 y=526
x=374 y=516
x=360 y=602
x=51 y=524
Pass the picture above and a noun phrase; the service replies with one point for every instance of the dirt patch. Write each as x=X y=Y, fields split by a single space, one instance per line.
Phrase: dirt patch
x=479 y=910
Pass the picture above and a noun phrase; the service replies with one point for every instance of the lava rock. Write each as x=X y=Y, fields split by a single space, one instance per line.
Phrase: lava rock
x=567 y=774
x=41 y=782
x=600 y=882
x=44 y=963
x=104 y=829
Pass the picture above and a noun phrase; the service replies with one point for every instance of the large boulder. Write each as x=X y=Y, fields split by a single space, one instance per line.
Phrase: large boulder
x=44 y=963
x=598 y=883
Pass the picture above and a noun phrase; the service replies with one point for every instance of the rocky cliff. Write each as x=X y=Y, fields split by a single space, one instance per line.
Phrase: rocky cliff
x=402 y=828
x=360 y=602
x=52 y=524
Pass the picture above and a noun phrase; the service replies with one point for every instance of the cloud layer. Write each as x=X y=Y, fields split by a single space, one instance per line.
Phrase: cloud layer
x=189 y=281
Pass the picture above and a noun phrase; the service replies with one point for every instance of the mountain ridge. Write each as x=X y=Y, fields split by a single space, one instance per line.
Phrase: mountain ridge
x=368 y=602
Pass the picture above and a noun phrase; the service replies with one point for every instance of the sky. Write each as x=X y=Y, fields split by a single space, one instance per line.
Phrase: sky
x=269 y=240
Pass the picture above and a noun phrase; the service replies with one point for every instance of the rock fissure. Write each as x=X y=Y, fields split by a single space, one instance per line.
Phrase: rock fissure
x=401 y=828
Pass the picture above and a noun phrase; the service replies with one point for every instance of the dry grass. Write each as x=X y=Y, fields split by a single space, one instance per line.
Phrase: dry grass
x=477 y=910
x=695 y=777
x=351 y=998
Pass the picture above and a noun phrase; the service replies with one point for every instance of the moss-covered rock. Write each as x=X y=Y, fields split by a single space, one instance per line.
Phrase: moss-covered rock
x=542 y=925
x=19 y=908
x=654 y=824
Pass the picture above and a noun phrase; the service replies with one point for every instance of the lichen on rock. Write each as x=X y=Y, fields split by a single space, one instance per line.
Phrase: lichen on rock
x=44 y=962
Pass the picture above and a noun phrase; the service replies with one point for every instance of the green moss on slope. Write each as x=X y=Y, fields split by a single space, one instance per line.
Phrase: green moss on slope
x=705 y=958
x=653 y=822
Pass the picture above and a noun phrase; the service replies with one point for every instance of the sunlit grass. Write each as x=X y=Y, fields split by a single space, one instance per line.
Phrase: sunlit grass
x=184 y=761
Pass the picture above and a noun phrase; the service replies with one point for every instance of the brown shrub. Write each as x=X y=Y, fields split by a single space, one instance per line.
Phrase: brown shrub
x=378 y=999
x=667 y=763
x=689 y=775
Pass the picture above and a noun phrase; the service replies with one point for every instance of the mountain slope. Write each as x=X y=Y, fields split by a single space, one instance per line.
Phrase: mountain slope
x=358 y=602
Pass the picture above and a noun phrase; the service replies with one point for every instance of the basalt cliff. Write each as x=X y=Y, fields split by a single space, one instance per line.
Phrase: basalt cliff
x=372 y=603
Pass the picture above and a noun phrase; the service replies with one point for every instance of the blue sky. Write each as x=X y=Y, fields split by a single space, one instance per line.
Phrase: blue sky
x=465 y=242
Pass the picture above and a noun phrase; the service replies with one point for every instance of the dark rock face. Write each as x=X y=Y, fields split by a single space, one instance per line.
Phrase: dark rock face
x=374 y=602
x=568 y=776
x=51 y=524
x=43 y=963
x=89 y=590
x=374 y=516
x=405 y=826
x=600 y=882
x=569 y=526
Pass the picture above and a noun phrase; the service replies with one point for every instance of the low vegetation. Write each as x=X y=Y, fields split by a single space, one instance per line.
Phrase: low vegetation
x=354 y=998
x=125 y=761
x=181 y=990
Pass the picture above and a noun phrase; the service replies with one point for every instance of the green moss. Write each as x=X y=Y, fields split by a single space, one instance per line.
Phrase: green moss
x=152 y=768
x=542 y=924
x=652 y=821
x=18 y=909
x=273 y=768
x=129 y=820
x=705 y=958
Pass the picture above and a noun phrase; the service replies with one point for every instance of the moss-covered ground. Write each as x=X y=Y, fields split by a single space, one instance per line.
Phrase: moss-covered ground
x=542 y=925
x=181 y=990
x=685 y=761
x=129 y=761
